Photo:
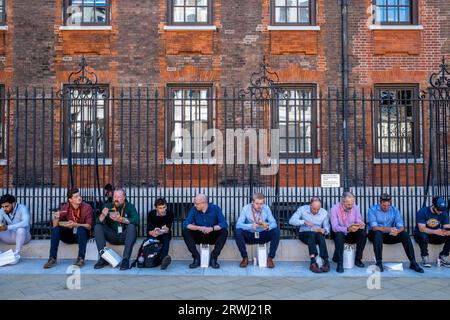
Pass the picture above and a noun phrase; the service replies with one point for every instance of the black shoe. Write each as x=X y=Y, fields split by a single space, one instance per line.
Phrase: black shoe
x=165 y=262
x=380 y=266
x=195 y=263
x=340 y=268
x=125 y=264
x=101 y=263
x=415 y=266
x=359 y=264
x=213 y=263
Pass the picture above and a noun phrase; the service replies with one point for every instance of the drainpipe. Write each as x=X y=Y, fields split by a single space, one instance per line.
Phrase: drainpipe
x=344 y=68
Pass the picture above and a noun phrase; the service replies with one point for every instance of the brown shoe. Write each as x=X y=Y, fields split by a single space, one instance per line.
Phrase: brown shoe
x=325 y=267
x=270 y=263
x=314 y=267
x=79 y=263
x=50 y=263
x=244 y=262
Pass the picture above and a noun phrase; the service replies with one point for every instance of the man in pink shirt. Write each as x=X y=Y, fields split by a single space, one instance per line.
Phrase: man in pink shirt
x=347 y=227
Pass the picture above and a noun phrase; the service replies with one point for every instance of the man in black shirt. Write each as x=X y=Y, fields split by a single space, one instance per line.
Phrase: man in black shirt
x=159 y=225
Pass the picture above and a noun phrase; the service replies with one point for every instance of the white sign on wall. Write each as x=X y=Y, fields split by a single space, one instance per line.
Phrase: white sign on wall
x=330 y=180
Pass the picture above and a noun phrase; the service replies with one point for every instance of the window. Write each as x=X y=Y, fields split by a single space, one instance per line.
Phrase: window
x=295 y=118
x=190 y=109
x=397 y=119
x=396 y=11
x=293 y=12
x=2 y=12
x=190 y=12
x=85 y=120
x=87 y=12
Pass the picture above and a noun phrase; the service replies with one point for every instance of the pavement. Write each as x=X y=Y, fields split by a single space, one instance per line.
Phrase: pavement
x=287 y=281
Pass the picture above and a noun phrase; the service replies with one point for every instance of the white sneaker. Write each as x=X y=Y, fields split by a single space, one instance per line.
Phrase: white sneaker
x=16 y=259
x=425 y=262
x=444 y=261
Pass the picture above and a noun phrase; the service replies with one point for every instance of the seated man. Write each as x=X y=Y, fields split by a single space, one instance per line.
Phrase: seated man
x=71 y=224
x=386 y=226
x=432 y=226
x=159 y=226
x=14 y=223
x=348 y=227
x=205 y=224
x=117 y=224
x=256 y=224
x=313 y=225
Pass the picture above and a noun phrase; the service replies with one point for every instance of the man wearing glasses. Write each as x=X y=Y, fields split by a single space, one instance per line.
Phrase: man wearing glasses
x=205 y=224
x=348 y=227
x=386 y=226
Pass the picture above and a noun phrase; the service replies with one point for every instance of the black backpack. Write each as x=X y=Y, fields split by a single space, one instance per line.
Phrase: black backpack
x=149 y=254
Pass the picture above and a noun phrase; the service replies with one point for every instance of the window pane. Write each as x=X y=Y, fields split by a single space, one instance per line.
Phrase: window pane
x=190 y=2
x=292 y=3
x=292 y=15
x=178 y=2
x=89 y=14
x=393 y=2
x=393 y=14
x=178 y=14
x=202 y=2
x=404 y=14
x=100 y=15
x=190 y=14
x=303 y=3
x=202 y=14
x=303 y=15
x=280 y=15
x=405 y=2
x=280 y=2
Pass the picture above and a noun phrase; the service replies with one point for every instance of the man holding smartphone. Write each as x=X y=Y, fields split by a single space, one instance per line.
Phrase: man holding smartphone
x=386 y=226
x=348 y=227
x=432 y=226
x=71 y=224
x=256 y=225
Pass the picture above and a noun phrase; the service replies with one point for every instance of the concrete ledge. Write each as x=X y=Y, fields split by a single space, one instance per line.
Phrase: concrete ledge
x=288 y=250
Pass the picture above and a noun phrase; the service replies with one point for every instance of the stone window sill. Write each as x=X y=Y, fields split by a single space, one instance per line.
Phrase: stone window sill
x=395 y=27
x=293 y=28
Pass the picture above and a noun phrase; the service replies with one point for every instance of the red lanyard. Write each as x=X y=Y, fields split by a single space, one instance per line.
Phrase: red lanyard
x=259 y=216
x=76 y=216
x=343 y=215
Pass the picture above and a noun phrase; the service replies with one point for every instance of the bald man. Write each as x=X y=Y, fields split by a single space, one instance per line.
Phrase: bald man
x=205 y=224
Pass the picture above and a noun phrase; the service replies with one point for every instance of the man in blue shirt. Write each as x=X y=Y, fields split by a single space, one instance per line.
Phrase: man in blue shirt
x=256 y=225
x=205 y=224
x=432 y=226
x=386 y=226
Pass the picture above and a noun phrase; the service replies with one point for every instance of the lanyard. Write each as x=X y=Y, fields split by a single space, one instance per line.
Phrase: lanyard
x=76 y=216
x=121 y=212
x=13 y=214
x=343 y=215
x=259 y=216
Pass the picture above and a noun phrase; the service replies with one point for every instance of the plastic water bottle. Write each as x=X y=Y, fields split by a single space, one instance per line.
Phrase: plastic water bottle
x=141 y=259
x=254 y=261
x=438 y=263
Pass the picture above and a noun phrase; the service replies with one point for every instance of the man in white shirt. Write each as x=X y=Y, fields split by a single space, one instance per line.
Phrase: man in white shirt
x=14 y=223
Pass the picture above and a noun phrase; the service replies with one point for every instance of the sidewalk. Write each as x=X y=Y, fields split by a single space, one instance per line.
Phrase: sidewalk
x=289 y=280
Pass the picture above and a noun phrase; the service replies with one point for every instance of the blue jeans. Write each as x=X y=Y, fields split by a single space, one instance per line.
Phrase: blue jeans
x=242 y=237
x=66 y=235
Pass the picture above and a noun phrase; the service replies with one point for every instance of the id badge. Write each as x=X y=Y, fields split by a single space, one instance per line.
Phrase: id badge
x=75 y=230
x=256 y=235
x=119 y=229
